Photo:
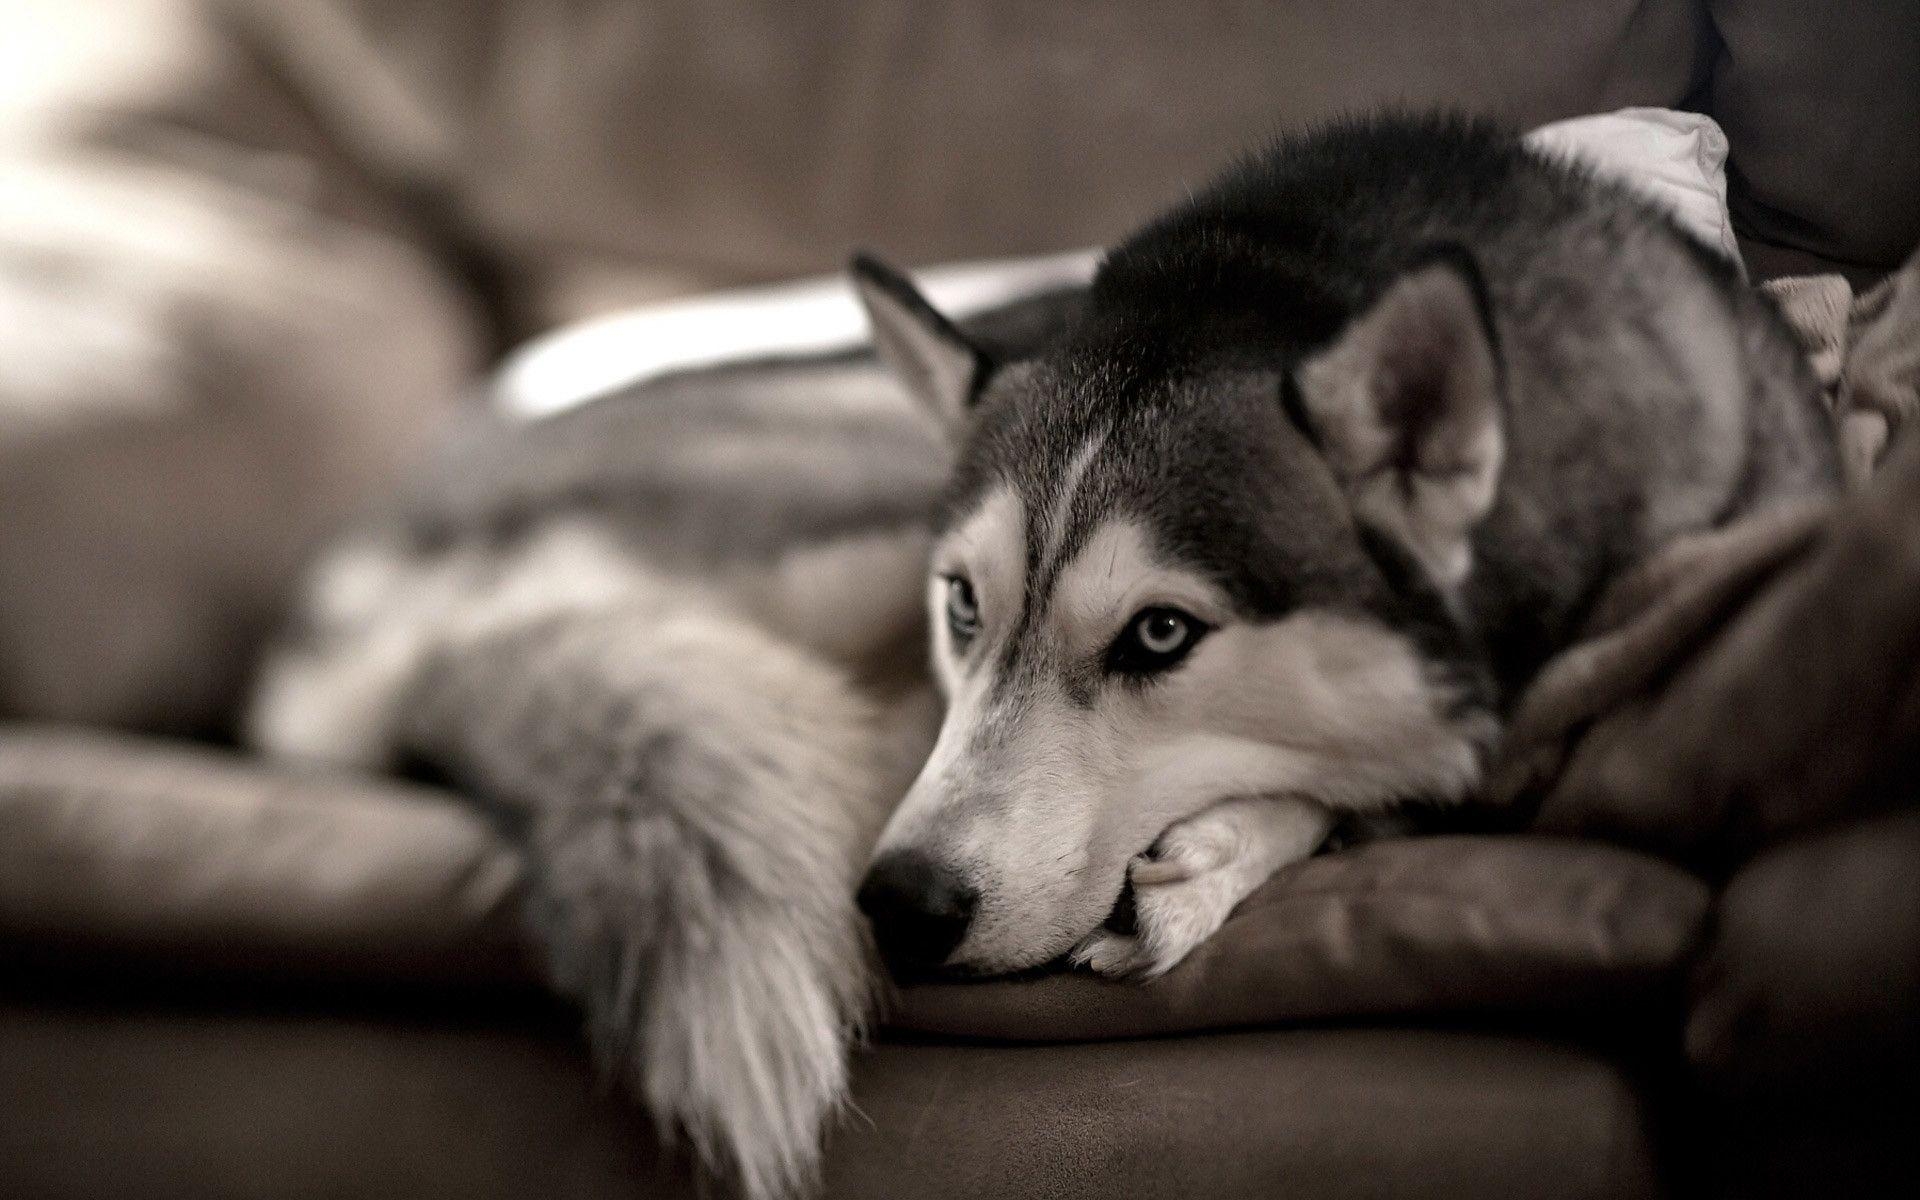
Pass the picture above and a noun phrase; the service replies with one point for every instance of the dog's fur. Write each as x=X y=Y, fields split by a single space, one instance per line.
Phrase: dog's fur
x=1379 y=413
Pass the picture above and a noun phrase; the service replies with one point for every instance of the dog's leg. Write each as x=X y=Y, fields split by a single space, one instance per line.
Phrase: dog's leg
x=699 y=797
x=1196 y=873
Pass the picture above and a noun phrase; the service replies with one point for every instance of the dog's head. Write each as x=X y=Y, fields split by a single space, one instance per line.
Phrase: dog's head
x=1173 y=572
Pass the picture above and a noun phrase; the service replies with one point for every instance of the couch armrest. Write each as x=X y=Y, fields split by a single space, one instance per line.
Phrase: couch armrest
x=118 y=850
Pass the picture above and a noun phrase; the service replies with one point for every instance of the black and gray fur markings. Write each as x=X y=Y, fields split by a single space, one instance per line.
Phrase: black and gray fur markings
x=1573 y=279
x=1401 y=370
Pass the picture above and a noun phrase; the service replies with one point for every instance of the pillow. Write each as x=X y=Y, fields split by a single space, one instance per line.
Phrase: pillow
x=1427 y=926
x=809 y=316
x=1676 y=159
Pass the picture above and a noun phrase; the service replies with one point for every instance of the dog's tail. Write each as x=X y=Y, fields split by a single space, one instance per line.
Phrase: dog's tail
x=699 y=798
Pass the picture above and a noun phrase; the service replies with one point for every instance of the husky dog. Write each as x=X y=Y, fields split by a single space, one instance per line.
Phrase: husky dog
x=1268 y=526
x=1337 y=454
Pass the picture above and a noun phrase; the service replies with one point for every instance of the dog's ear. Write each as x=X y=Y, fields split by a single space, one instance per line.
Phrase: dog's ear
x=1405 y=405
x=940 y=368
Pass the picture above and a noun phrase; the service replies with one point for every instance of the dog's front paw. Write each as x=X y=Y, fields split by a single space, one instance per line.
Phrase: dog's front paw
x=1189 y=883
x=1183 y=890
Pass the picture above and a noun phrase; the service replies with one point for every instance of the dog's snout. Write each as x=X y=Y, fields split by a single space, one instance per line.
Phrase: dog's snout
x=919 y=911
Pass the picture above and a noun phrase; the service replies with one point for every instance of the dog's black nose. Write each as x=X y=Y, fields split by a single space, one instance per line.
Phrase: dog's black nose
x=919 y=911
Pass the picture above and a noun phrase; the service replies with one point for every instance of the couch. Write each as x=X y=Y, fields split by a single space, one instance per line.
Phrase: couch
x=254 y=256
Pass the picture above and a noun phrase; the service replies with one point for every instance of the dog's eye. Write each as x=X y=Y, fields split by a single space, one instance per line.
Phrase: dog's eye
x=963 y=610
x=1155 y=640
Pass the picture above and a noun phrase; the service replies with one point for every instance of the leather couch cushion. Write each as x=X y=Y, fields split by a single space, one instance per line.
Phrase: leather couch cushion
x=1305 y=1114
x=1810 y=982
x=173 y=855
x=1805 y=1024
x=158 y=1104
x=1433 y=925
x=1820 y=102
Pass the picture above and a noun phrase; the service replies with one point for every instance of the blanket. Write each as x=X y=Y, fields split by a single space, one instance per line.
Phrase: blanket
x=1760 y=678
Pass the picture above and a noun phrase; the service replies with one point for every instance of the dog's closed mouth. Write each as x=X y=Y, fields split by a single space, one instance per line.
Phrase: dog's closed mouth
x=1124 y=918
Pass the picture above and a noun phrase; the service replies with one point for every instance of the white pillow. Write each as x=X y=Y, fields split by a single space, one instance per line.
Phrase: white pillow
x=574 y=364
x=1676 y=158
